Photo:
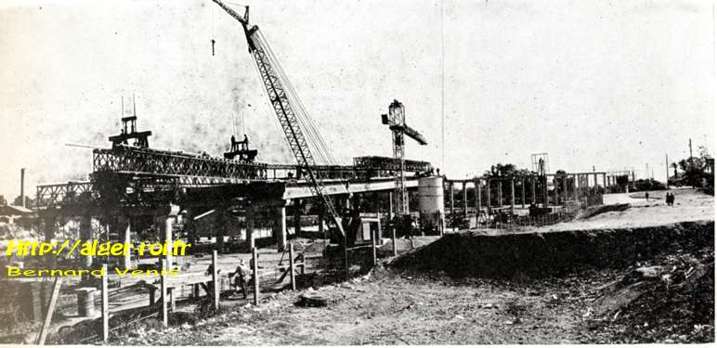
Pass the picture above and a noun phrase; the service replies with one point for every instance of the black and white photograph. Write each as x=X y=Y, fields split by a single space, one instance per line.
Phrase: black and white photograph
x=357 y=172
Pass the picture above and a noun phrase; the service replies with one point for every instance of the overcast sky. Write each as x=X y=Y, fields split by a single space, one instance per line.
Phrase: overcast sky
x=610 y=84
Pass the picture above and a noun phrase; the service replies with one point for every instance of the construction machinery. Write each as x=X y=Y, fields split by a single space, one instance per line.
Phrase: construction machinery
x=396 y=121
x=299 y=129
x=240 y=151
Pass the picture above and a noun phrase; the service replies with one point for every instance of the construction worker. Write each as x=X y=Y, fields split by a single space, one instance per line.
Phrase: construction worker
x=670 y=199
x=241 y=277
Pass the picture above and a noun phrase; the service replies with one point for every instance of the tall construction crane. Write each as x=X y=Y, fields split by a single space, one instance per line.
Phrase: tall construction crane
x=396 y=121
x=288 y=108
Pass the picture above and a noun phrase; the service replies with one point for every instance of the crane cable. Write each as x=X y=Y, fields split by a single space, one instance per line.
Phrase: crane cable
x=299 y=112
x=310 y=124
x=313 y=137
x=214 y=28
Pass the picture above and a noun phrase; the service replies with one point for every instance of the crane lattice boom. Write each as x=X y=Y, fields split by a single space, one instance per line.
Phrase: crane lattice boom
x=285 y=103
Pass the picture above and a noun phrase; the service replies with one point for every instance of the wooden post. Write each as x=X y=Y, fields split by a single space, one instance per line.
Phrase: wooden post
x=250 y=226
x=291 y=266
x=105 y=305
x=127 y=259
x=373 y=242
x=346 y=258
x=151 y=290
x=378 y=214
x=172 y=302
x=390 y=205
x=50 y=311
x=255 y=271
x=215 y=279
x=393 y=241
x=163 y=290
x=297 y=217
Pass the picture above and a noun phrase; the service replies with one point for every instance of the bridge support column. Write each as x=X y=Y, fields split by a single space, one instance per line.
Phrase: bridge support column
x=347 y=201
x=532 y=191
x=221 y=222
x=604 y=181
x=477 y=195
x=487 y=194
x=127 y=257
x=86 y=235
x=49 y=221
x=546 y=199
x=321 y=223
x=565 y=189
x=280 y=226
x=450 y=196
x=512 y=195
x=297 y=218
x=595 y=184
x=555 y=190
x=465 y=199
x=522 y=192
x=500 y=194
x=577 y=186
x=172 y=212
x=189 y=227
x=250 y=227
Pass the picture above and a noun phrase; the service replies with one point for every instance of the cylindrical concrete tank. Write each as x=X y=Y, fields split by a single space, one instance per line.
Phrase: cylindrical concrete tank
x=430 y=203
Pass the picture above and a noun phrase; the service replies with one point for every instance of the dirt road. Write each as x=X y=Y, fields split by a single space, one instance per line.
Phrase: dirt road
x=690 y=205
x=407 y=307
x=400 y=308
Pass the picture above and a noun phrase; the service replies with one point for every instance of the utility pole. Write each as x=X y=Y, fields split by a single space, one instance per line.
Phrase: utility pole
x=690 y=150
x=22 y=187
x=667 y=170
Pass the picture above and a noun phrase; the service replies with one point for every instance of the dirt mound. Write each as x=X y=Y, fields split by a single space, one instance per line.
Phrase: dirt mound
x=554 y=253
x=670 y=300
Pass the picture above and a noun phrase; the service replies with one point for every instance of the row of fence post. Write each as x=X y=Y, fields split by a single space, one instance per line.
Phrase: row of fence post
x=215 y=288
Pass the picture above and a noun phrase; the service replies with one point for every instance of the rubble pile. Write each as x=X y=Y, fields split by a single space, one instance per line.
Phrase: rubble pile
x=669 y=300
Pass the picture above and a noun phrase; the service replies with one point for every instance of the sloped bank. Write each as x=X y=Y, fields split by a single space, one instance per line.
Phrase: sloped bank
x=554 y=253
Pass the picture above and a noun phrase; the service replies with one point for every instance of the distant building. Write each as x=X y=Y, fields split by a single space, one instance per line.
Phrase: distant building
x=12 y=214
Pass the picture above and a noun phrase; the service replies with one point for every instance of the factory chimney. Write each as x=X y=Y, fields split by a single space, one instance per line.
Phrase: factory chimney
x=22 y=186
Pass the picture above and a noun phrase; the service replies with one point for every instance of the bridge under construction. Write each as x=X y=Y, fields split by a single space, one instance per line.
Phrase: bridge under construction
x=231 y=203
